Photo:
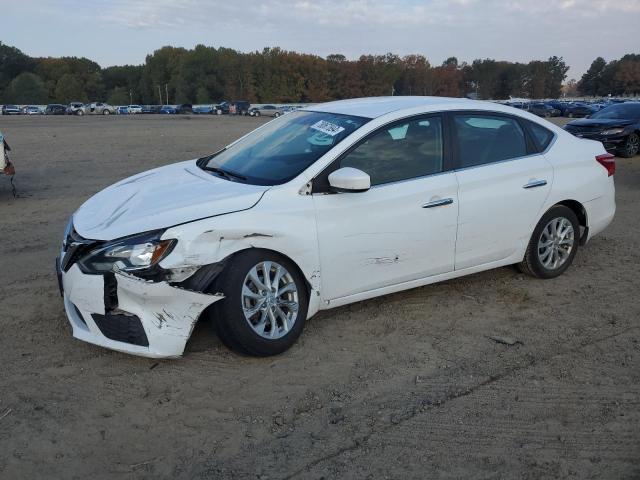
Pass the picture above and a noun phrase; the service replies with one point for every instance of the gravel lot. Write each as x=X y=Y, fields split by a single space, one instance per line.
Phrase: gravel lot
x=403 y=386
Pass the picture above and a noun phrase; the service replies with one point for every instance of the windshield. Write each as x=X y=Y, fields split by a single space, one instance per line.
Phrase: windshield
x=621 y=111
x=283 y=148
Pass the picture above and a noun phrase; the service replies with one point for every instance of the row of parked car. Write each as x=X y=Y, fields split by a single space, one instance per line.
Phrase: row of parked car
x=237 y=107
x=73 y=108
x=560 y=108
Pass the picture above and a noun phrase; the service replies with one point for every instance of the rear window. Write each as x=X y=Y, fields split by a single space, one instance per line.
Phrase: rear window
x=486 y=138
x=541 y=136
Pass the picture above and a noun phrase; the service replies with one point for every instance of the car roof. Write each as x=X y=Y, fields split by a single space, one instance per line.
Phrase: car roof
x=373 y=107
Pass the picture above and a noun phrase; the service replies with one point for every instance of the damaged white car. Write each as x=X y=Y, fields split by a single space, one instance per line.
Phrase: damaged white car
x=329 y=205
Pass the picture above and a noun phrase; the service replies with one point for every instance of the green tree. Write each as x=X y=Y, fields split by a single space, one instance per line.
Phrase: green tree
x=69 y=88
x=119 y=96
x=591 y=81
x=12 y=63
x=27 y=88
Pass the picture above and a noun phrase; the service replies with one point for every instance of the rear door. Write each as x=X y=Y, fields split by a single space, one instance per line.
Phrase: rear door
x=503 y=184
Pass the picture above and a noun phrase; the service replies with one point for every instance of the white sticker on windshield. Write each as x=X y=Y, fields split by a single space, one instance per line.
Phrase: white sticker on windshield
x=327 y=127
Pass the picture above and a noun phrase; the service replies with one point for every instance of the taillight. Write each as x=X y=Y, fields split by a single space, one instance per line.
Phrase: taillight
x=608 y=161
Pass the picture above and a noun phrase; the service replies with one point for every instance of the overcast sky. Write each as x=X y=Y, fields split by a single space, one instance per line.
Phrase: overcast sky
x=116 y=32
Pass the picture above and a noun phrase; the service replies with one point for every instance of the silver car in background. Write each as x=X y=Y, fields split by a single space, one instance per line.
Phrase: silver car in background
x=98 y=108
x=268 y=110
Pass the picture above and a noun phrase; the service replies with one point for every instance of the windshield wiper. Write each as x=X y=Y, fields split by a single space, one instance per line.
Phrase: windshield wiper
x=224 y=173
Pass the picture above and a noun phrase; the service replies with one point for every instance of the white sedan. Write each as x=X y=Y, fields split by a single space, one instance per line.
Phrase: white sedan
x=329 y=205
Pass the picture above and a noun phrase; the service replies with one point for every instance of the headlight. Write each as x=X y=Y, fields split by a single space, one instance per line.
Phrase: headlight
x=613 y=131
x=129 y=254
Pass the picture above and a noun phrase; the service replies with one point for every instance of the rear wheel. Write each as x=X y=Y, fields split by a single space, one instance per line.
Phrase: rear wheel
x=553 y=244
x=630 y=146
x=106 y=112
x=265 y=304
x=570 y=115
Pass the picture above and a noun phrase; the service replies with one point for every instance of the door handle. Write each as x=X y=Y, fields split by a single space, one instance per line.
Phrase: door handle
x=438 y=203
x=535 y=183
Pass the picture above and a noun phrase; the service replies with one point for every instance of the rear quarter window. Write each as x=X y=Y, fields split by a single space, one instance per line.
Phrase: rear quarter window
x=541 y=136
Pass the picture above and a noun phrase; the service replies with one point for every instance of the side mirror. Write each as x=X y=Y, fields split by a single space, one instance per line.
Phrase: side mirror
x=348 y=179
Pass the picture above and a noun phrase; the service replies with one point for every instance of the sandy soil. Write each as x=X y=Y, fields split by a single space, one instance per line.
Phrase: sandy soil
x=404 y=386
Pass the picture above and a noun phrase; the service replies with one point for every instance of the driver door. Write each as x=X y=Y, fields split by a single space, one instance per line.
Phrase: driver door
x=404 y=227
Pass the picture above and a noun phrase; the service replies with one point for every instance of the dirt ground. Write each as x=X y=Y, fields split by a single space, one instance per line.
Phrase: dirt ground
x=403 y=386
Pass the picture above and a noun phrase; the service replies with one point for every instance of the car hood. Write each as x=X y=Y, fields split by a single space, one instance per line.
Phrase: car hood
x=599 y=122
x=161 y=198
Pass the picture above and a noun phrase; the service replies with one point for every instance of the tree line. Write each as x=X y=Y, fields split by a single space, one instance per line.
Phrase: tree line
x=207 y=74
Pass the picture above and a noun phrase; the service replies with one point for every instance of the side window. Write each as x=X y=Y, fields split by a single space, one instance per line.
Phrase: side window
x=405 y=150
x=541 y=135
x=488 y=138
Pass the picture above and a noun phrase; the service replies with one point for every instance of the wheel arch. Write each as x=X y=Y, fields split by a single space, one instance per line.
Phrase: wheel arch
x=577 y=208
x=206 y=276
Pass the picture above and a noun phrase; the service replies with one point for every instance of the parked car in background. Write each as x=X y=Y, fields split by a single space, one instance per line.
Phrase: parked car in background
x=237 y=107
x=151 y=108
x=204 y=109
x=75 y=108
x=122 y=110
x=169 y=109
x=98 y=108
x=55 y=109
x=185 y=108
x=176 y=109
x=33 y=110
x=10 y=110
x=133 y=109
x=268 y=110
x=335 y=204
x=558 y=105
x=579 y=110
x=542 y=109
x=616 y=126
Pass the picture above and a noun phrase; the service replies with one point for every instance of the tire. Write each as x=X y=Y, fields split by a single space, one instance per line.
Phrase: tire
x=537 y=261
x=257 y=114
x=80 y=113
x=631 y=146
x=570 y=115
x=218 y=112
x=547 y=114
x=248 y=320
x=106 y=112
x=276 y=115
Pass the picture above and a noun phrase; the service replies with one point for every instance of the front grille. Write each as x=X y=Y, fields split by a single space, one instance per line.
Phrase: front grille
x=122 y=328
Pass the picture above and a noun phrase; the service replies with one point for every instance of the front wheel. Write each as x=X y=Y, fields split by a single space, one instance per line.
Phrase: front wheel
x=265 y=304
x=630 y=146
x=106 y=112
x=553 y=244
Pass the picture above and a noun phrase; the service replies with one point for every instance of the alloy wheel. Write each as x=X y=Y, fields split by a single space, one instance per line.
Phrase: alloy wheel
x=270 y=300
x=556 y=243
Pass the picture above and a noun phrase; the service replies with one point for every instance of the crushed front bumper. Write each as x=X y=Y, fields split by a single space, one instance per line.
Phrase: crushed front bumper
x=131 y=315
